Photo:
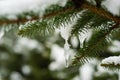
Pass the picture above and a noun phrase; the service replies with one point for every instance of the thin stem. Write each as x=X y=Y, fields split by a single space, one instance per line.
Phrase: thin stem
x=107 y=65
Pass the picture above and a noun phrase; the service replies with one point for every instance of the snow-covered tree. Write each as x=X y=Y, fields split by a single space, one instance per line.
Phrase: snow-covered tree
x=88 y=30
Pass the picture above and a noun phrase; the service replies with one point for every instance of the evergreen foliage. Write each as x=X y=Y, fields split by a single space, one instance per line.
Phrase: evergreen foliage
x=86 y=15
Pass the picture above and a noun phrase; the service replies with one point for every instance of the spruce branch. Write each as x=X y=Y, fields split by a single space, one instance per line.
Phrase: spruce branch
x=96 y=45
x=77 y=59
x=92 y=8
x=111 y=67
x=89 y=20
x=46 y=26
x=37 y=18
x=111 y=63
x=101 y=12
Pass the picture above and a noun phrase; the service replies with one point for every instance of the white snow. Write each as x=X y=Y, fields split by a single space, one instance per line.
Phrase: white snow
x=16 y=76
x=76 y=77
x=115 y=47
x=10 y=8
x=112 y=6
x=57 y=54
x=86 y=72
x=118 y=75
x=74 y=41
x=25 y=45
x=26 y=69
x=85 y=36
x=101 y=70
x=65 y=32
x=2 y=32
x=111 y=60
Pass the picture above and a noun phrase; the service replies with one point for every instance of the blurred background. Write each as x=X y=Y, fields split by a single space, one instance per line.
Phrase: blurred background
x=42 y=58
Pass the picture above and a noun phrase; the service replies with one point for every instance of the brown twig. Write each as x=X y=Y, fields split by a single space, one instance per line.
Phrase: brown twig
x=101 y=12
x=36 y=18
x=112 y=64
x=94 y=9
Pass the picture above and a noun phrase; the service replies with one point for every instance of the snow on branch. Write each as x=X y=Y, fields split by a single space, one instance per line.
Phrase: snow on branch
x=113 y=6
x=18 y=6
x=100 y=12
x=111 y=63
x=11 y=8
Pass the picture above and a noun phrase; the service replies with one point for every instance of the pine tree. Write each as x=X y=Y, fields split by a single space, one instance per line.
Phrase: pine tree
x=82 y=16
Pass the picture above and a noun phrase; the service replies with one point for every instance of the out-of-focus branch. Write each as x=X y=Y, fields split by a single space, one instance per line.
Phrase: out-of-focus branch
x=92 y=8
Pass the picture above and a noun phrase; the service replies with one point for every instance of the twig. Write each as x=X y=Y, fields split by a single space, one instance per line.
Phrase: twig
x=94 y=9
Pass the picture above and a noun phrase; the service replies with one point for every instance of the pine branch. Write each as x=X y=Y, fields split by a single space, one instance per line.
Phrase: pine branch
x=37 y=18
x=111 y=67
x=94 y=9
x=46 y=26
x=101 y=12
x=89 y=20
x=108 y=65
x=111 y=63
x=95 y=45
